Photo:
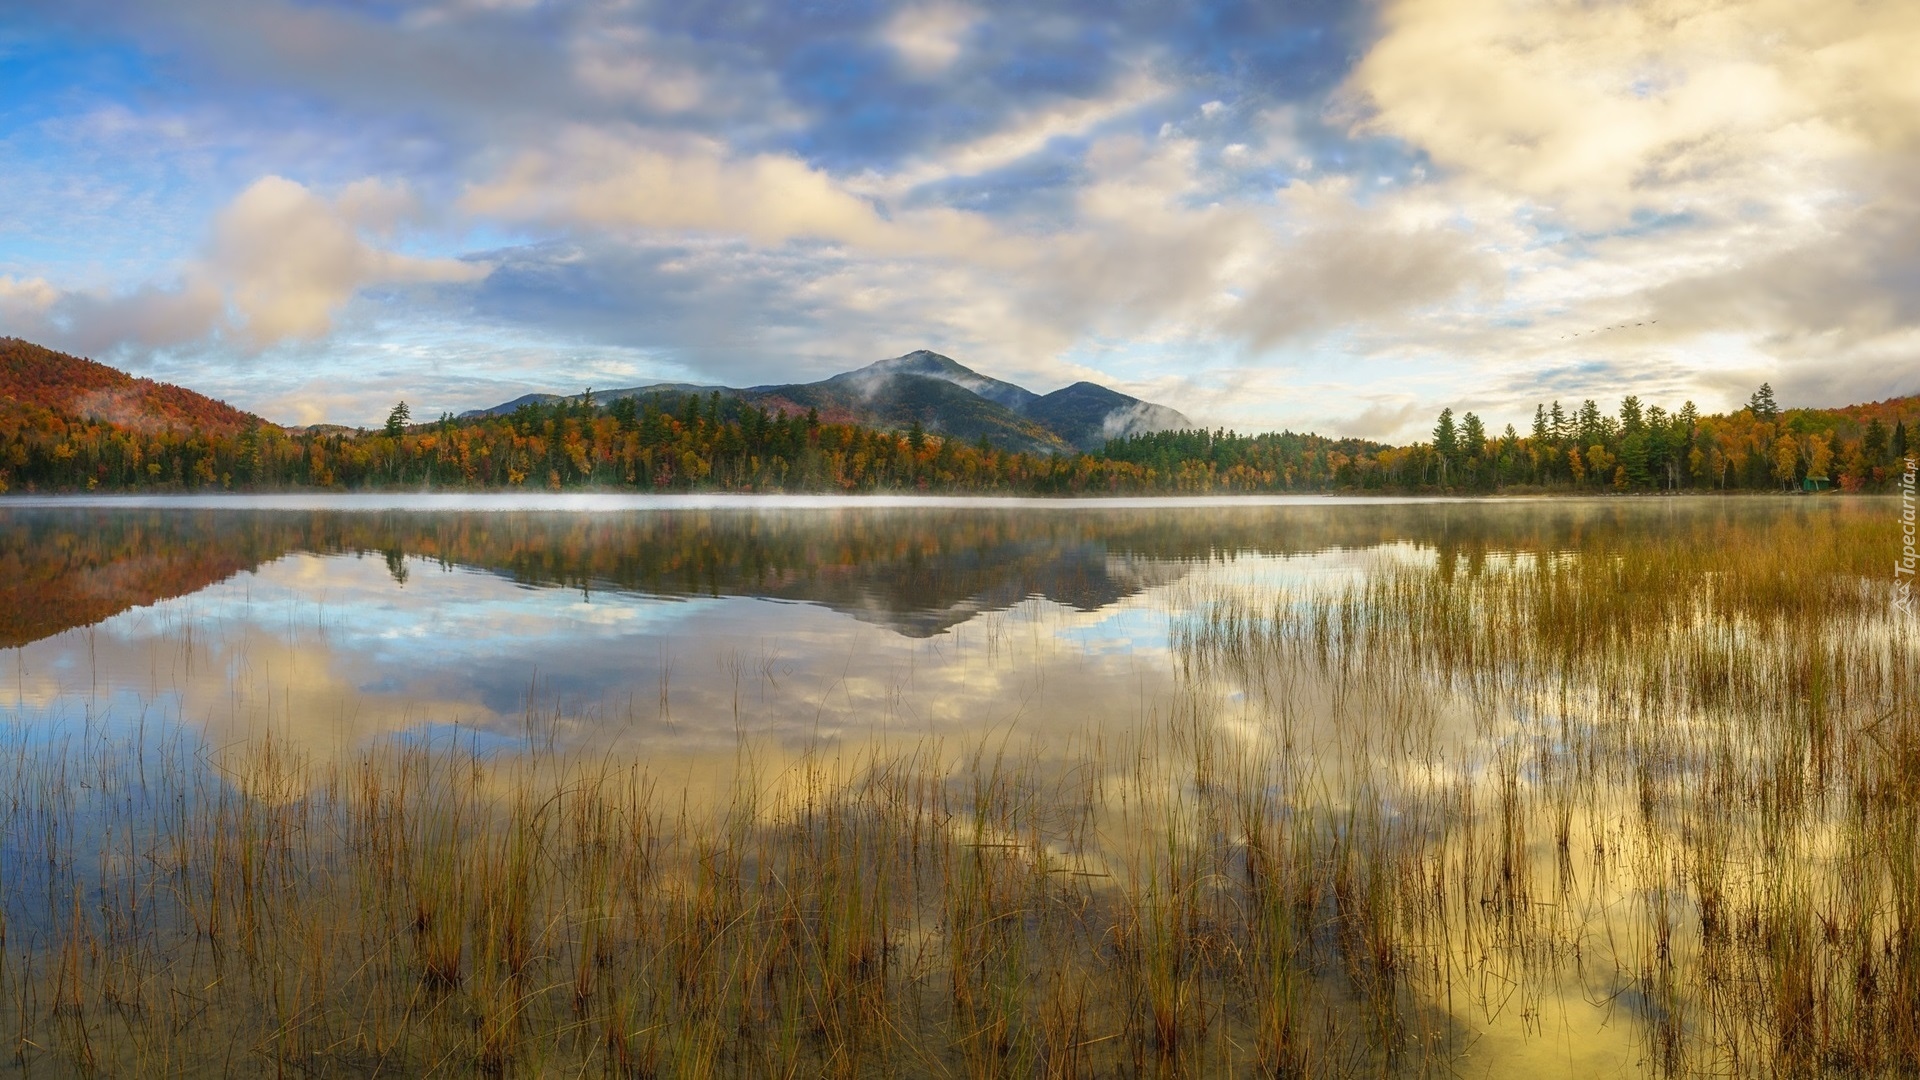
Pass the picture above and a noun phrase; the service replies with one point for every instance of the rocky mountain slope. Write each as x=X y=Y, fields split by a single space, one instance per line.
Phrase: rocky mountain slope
x=944 y=396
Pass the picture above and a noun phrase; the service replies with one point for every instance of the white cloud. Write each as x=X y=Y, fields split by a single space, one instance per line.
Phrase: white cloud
x=290 y=259
x=928 y=38
x=280 y=263
x=595 y=178
x=1734 y=169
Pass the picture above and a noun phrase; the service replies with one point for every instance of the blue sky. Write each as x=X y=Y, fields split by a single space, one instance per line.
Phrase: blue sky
x=1335 y=216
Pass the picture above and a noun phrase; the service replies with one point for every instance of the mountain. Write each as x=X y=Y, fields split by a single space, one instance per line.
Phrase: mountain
x=35 y=376
x=944 y=396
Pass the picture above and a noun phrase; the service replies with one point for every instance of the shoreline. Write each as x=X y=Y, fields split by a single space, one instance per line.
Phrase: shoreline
x=603 y=502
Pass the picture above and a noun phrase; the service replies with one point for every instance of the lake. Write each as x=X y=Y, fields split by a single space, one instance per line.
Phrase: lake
x=1328 y=785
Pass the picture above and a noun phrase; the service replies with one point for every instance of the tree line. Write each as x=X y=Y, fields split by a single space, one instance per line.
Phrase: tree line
x=683 y=442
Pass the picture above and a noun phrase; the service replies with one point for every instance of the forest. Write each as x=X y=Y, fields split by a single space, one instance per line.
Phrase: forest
x=686 y=442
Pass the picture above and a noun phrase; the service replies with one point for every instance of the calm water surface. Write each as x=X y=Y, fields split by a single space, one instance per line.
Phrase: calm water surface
x=665 y=626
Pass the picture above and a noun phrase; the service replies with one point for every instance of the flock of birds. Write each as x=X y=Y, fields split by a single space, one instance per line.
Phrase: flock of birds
x=1605 y=329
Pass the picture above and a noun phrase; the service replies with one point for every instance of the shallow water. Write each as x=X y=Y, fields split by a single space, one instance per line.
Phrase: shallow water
x=672 y=631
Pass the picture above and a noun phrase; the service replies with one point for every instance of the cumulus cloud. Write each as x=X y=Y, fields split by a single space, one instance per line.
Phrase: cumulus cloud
x=280 y=263
x=1736 y=170
x=597 y=178
x=290 y=259
x=1601 y=108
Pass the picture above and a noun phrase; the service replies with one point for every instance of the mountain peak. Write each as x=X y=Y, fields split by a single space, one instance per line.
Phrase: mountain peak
x=948 y=398
x=919 y=362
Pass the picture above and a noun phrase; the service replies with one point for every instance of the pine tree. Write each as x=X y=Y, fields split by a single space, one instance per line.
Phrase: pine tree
x=1446 y=441
x=1762 y=405
x=1873 y=443
x=1592 y=432
x=1631 y=417
x=398 y=419
x=1899 y=447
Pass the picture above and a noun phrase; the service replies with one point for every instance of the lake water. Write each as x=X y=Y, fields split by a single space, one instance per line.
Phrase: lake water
x=669 y=625
x=666 y=629
x=671 y=632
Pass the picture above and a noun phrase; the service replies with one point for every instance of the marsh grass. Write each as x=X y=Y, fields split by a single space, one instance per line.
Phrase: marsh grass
x=1664 y=786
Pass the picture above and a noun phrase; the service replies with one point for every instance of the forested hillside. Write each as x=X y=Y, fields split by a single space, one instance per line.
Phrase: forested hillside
x=51 y=440
x=32 y=377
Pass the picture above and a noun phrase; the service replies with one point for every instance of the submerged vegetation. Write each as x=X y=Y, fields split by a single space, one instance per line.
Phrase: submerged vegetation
x=1647 y=798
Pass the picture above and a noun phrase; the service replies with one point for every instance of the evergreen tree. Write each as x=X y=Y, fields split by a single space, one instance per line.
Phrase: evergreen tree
x=1446 y=441
x=1635 y=457
x=1873 y=442
x=1473 y=436
x=1899 y=447
x=1762 y=405
x=1632 y=419
x=1592 y=432
x=1557 y=419
x=1509 y=453
x=625 y=413
x=398 y=419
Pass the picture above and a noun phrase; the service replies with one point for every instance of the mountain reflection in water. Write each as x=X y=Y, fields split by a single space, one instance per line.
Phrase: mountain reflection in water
x=674 y=631
x=917 y=571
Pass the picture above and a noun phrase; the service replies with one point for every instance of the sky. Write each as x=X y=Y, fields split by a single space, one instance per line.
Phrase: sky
x=1300 y=214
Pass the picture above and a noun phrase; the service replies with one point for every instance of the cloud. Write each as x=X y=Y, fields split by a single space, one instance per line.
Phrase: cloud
x=25 y=301
x=280 y=263
x=928 y=38
x=92 y=322
x=1599 y=108
x=1380 y=420
x=290 y=259
x=593 y=178
x=1356 y=266
x=1139 y=418
x=1736 y=169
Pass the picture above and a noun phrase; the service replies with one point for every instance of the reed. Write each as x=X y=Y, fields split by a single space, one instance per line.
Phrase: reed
x=1662 y=788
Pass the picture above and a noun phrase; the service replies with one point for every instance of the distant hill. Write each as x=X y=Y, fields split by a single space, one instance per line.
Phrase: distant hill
x=943 y=395
x=36 y=376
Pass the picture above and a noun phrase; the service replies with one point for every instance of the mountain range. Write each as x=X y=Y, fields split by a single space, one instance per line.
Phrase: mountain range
x=943 y=395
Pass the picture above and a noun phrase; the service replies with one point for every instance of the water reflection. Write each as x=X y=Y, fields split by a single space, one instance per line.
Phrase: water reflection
x=674 y=631
x=1485 y=790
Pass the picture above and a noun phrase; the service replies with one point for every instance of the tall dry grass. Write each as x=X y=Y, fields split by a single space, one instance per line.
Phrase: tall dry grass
x=1666 y=786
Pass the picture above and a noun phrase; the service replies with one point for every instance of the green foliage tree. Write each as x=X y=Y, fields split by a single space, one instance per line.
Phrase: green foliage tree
x=1762 y=405
x=1446 y=441
x=397 y=420
x=625 y=413
x=1873 y=442
x=1632 y=417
